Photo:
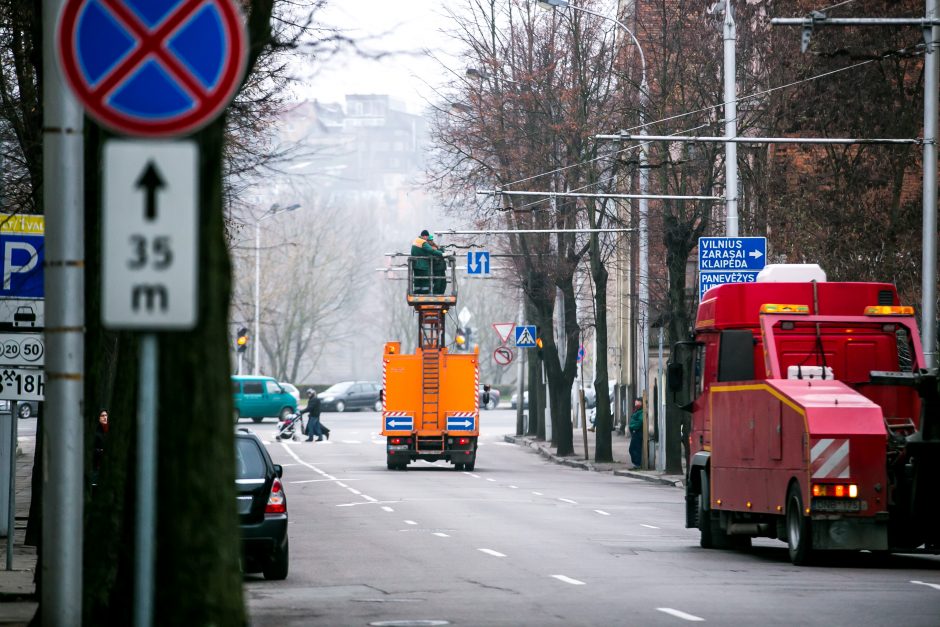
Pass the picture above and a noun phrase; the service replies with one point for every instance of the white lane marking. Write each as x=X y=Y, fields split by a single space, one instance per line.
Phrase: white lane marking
x=488 y=479
x=573 y=582
x=441 y=534
x=936 y=586
x=369 y=501
x=648 y=526
x=514 y=487
x=351 y=442
x=473 y=475
x=387 y=508
x=410 y=522
x=369 y=498
x=568 y=501
x=341 y=484
x=680 y=614
x=354 y=491
x=602 y=512
x=537 y=494
x=491 y=552
x=503 y=444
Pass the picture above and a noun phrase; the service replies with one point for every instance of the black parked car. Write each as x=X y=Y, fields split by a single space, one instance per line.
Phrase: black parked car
x=351 y=395
x=262 y=508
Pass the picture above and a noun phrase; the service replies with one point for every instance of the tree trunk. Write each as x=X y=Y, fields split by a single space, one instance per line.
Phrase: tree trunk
x=603 y=451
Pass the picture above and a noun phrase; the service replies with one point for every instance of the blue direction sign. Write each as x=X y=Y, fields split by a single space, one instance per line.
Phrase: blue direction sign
x=525 y=336
x=478 y=262
x=152 y=68
x=399 y=423
x=729 y=260
x=721 y=254
x=708 y=280
x=461 y=423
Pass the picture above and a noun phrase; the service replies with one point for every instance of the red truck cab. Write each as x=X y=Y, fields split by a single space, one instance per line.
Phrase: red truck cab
x=813 y=418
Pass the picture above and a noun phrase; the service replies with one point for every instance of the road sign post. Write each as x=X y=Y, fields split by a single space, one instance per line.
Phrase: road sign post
x=150 y=69
x=729 y=260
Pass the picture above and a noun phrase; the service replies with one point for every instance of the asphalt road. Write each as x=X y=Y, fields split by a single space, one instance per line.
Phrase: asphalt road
x=522 y=541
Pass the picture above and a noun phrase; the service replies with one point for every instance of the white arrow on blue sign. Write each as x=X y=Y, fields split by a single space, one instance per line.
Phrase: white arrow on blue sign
x=723 y=254
x=729 y=260
x=478 y=262
x=399 y=423
x=460 y=424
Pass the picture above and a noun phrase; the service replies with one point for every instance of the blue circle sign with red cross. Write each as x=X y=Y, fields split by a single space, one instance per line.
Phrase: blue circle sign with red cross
x=152 y=68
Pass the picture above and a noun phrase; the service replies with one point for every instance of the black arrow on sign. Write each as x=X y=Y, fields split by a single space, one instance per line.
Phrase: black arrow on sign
x=151 y=181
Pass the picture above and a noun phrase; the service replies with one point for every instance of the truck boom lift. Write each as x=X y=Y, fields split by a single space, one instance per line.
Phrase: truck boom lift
x=430 y=402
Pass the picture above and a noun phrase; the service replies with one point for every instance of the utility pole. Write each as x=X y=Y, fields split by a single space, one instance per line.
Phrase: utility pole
x=729 y=38
x=63 y=459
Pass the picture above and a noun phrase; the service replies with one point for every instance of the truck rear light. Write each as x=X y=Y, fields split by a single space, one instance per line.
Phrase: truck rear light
x=889 y=310
x=463 y=441
x=277 y=502
x=837 y=490
x=395 y=441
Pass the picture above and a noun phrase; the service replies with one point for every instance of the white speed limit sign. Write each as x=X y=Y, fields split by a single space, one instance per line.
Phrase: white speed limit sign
x=22 y=349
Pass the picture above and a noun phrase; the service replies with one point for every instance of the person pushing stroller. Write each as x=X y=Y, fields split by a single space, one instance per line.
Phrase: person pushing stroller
x=314 y=426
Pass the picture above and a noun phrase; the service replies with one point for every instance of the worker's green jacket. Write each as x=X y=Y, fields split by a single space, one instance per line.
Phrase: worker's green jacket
x=422 y=248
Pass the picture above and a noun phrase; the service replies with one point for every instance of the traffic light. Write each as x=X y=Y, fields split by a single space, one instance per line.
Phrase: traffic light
x=462 y=338
x=241 y=343
x=538 y=346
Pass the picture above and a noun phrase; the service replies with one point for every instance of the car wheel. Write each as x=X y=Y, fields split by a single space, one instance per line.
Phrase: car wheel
x=278 y=566
x=377 y=406
x=24 y=410
x=257 y=420
x=340 y=406
x=799 y=534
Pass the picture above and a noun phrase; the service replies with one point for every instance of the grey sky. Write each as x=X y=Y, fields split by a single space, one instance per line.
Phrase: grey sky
x=409 y=26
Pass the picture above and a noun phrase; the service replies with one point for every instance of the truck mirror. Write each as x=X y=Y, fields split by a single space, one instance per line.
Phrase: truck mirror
x=674 y=377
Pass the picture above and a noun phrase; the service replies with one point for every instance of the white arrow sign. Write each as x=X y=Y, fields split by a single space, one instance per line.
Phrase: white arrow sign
x=756 y=254
x=150 y=227
x=399 y=423
x=465 y=423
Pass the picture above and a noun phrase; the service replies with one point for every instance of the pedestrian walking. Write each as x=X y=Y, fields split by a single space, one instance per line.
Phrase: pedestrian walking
x=101 y=436
x=314 y=426
x=636 y=436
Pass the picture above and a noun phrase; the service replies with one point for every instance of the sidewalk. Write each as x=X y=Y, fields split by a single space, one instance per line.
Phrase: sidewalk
x=620 y=466
x=17 y=590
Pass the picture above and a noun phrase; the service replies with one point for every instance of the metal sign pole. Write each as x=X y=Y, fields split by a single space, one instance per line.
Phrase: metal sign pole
x=11 y=512
x=146 y=481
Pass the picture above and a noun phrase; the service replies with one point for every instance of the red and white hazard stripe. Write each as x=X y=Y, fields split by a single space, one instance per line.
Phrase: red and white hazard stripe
x=398 y=414
x=384 y=379
x=830 y=458
x=460 y=414
x=476 y=389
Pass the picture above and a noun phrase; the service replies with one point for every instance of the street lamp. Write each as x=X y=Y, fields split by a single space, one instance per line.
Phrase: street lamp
x=273 y=211
x=644 y=188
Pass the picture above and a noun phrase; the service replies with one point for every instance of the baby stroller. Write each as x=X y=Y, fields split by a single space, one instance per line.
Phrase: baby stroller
x=289 y=428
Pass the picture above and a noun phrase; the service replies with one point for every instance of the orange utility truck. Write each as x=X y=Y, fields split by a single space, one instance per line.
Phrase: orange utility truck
x=431 y=405
x=814 y=419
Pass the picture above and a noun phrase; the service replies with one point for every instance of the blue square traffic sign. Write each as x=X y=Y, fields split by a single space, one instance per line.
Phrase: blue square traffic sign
x=525 y=336
x=726 y=254
x=478 y=262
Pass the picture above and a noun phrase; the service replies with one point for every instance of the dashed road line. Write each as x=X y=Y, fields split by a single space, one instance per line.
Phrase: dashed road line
x=387 y=508
x=514 y=487
x=354 y=491
x=491 y=552
x=441 y=534
x=680 y=614
x=602 y=512
x=567 y=500
x=473 y=475
x=566 y=579
x=538 y=494
x=648 y=526
x=410 y=522
x=488 y=479
x=351 y=442
x=935 y=586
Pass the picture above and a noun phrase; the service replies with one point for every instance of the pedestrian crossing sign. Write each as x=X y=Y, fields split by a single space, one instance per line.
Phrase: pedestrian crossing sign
x=525 y=336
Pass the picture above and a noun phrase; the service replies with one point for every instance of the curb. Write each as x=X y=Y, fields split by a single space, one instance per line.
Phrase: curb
x=587 y=465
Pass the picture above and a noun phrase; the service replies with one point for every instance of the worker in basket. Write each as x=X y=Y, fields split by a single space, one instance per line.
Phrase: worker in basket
x=424 y=254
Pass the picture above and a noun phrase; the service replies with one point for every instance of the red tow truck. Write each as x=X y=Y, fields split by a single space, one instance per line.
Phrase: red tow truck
x=813 y=418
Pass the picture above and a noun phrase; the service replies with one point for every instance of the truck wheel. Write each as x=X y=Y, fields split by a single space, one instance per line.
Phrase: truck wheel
x=799 y=533
x=458 y=467
x=469 y=466
x=704 y=516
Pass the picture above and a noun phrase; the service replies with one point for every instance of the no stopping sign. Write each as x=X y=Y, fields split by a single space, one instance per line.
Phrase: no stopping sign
x=503 y=356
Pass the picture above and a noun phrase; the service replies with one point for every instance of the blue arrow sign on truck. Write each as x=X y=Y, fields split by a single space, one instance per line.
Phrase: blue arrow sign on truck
x=723 y=254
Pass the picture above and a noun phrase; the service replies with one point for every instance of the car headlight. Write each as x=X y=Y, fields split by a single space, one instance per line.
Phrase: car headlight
x=327 y=399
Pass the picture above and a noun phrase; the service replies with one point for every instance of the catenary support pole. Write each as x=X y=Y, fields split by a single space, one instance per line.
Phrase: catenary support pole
x=256 y=340
x=929 y=235
x=63 y=448
x=146 y=481
x=731 y=122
